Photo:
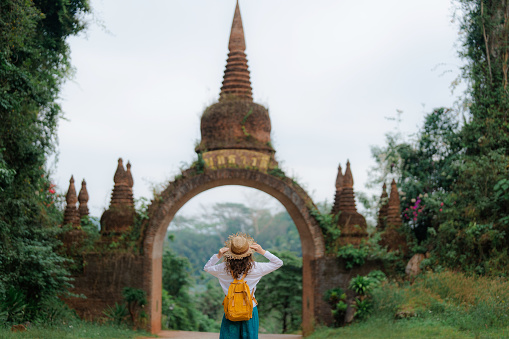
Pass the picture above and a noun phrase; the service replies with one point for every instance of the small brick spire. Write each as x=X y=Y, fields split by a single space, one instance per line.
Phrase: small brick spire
x=130 y=181
x=71 y=215
x=120 y=174
x=120 y=215
x=122 y=194
x=384 y=208
x=347 y=197
x=393 y=210
x=351 y=223
x=392 y=236
x=83 y=199
x=236 y=80
x=339 y=187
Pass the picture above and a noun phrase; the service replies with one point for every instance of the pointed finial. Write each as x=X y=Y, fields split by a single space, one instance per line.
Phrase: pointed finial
x=129 y=175
x=119 y=176
x=83 y=196
x=70 y=197
x=348 y=178
x=83 y=199
x=339 y=178
x=237 y=41
x=236 y=80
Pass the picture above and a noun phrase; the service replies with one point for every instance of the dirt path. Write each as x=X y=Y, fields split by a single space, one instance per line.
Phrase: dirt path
x=208 y=335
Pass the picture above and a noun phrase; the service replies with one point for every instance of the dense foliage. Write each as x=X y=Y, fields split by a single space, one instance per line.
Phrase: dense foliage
x=474 y=234
x=280 y=294
x=34 y=61
x=436 y=305
x=453 y=176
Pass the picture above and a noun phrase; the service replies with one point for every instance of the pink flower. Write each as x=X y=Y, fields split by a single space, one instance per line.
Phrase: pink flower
x=440 y=210
x=415 y=219
x=441 y=204
x=51 y=190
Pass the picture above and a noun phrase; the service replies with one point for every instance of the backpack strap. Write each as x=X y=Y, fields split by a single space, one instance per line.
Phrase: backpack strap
x=252 y=297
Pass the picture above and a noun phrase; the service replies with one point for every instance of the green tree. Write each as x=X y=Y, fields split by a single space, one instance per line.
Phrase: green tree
x=474 y=233
x=281 y=292
x=180 y=306
x=34 y=61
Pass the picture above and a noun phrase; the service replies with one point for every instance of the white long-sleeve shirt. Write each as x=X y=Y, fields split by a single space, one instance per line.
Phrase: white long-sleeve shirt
x=252 y=278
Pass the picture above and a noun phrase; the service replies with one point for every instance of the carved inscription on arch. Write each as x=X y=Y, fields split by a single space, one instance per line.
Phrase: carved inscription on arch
x=238 y=158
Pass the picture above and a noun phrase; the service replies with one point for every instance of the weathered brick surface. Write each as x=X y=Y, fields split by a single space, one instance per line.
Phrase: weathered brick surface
x=330 y=272
x=102 y=280
x=105 y=275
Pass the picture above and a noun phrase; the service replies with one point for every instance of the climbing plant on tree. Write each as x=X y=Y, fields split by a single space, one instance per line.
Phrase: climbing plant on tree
x=34 y=61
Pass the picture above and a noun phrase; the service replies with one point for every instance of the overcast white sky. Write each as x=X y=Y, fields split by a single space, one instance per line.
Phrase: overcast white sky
x=330 y=71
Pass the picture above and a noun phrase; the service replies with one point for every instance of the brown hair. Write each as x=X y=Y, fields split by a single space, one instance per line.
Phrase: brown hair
x=237 y=267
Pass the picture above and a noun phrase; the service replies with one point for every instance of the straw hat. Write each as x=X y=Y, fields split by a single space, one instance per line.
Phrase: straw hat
x=239 y=246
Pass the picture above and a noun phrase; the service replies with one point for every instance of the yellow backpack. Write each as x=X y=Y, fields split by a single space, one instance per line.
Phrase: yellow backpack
x=238 y=303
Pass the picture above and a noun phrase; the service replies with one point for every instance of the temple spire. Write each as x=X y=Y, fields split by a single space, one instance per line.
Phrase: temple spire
x=236 y=80
x=347 y=197
x=384 y=209
x=339 y=187
x=393 y=210
x=237 y=42
x=71 y=215
x=83 y=199
x=351 y=223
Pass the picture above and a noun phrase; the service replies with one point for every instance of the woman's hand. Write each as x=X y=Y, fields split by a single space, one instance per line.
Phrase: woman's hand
x=222 y=251
x=257 y=248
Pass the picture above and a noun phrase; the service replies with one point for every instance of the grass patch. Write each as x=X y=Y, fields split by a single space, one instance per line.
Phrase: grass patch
x=436 y=305
x=379 y=327
x=74 y=329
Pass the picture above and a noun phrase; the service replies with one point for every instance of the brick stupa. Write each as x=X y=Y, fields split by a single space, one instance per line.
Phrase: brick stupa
x=384 y=209
x=120 y=215
x=83 y=200
x=71 y=214
x=392 y=236
x=352 y=224
x=339 y=187
x=236 y=122
x=73 y=238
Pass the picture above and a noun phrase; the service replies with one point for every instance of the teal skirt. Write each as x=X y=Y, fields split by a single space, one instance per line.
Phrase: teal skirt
x=240 y=329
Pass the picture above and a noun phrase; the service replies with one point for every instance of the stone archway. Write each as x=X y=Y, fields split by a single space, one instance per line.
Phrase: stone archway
x=163 y=209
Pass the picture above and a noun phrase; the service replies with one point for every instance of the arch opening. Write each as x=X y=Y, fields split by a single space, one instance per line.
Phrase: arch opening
x=178 y=193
